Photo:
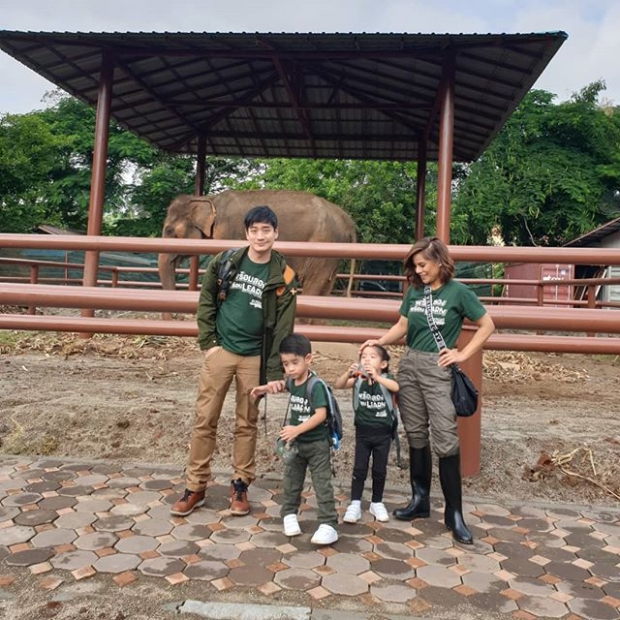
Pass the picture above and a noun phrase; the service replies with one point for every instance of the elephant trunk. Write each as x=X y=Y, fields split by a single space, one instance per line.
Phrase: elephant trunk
x=166 y=265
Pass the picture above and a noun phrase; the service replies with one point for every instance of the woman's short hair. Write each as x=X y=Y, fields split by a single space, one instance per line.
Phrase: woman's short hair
x=432 y=249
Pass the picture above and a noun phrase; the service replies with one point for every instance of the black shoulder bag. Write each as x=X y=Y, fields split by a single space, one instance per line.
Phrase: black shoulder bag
x=464 y=393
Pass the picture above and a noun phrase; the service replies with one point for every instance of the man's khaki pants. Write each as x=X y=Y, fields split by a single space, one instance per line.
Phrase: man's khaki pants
x=218 y=370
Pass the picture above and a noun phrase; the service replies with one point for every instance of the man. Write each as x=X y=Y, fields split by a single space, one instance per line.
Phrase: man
x=247 y=306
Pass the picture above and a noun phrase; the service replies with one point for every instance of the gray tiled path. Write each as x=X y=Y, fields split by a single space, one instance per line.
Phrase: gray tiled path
x=66 y=520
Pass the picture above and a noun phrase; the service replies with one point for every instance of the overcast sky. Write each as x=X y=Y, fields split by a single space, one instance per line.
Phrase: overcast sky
x=590 y=53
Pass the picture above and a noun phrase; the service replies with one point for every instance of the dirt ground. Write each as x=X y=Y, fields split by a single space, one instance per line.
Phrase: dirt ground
x=550 y=425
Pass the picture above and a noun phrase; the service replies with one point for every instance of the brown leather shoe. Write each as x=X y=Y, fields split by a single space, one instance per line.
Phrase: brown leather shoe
x=187 y=503
x=239 y=505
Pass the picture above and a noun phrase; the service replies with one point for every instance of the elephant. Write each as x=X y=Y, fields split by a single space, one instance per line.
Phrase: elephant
x=301 y=217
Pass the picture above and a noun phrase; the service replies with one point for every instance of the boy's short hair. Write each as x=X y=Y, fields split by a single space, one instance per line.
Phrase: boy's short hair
x=260 y=215
x=297 y=344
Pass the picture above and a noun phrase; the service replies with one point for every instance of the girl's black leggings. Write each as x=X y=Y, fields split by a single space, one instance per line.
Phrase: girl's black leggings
x=370 y=441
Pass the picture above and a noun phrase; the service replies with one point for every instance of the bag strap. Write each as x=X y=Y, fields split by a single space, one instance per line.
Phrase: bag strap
x=428 y=311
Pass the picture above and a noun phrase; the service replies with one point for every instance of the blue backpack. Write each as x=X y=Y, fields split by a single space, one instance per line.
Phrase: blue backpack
x=334 y=416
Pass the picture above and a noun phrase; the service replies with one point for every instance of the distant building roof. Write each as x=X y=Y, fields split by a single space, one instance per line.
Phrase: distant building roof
x=340 y=95
x=53 y=230
x=595 y=235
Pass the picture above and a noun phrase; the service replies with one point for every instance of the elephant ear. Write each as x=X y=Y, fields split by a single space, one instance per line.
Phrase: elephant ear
x=202 y=213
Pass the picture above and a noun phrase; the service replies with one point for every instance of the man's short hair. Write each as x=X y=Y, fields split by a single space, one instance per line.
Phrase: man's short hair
x=297 y=344
x=260 y=215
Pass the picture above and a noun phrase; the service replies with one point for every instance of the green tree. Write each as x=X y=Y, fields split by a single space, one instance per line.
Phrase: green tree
x=552 y=173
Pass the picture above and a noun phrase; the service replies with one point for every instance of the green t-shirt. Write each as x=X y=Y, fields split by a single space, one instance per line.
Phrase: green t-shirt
x=371 y=408
x=300 y=410
x=239 y=321
x=452 y=303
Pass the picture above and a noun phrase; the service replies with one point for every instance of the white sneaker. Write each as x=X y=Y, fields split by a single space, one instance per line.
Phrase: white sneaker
x=353 y=513
x=291 y=525
x=325 y=535
x=379 y=512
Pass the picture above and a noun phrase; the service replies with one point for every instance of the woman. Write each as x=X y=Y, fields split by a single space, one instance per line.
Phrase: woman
x=425 y=378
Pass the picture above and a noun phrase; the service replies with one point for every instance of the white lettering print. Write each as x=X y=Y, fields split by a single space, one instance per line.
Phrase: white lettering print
x=301 y=406
x=439 y=310
x=250 y=285
x=374 y=402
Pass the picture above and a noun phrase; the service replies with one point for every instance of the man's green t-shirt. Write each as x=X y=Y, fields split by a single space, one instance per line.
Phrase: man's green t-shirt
x=452 y=303
x=239 y=321
x=301 y=410
x=371 y=407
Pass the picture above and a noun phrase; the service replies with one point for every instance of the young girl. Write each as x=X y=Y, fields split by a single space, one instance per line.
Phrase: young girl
x=373 y=427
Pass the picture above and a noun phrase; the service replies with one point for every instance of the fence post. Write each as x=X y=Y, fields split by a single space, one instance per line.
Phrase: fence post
x=34 y=279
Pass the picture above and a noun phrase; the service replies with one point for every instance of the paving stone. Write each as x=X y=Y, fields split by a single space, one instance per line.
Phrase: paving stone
x=482 y=582
x=91 y=480
x=54 y=538
x=523 y=567
x=392 y=593
x=21 y=499
x=117 y=563
x=351 y=564
x=143 y=497
x=7 y=514
x=137 y=544
x=536 y=525
x=33 y=518
x=542 y=607
x=109 y=494
x=219 y=552
x=191 y=531
x=155 y=485
x=230 y=537
x=114 y=523
x=63 y=475
x=75 y=491
x=178 y=548
x=566 y=570
x=532 y=587
x=123 y=482
x=555 y=554
x=443 y=597
x=307 y=559
x=232 y=522
x=269 y=540
x=206 y=570
x=252 y=575
x=343 y=584
x=93 y=505
x=506 y=535
x=161 y=567
x=198 y=517
x=389 y=534
x=431 y=555
x=260 y=557
x=42 y=487
x=17 y=534
x=594 y=610
x=582 y=539
x=57 y=503
x=608 y=571
x=95 y=541
x=610 y=529
x=75 y=520
x=29 y=557
x=393 y=551
x=612 y=589
x=132 y=510
x=481 y=563
x=579 y=589
x=356 y=530
x=437 y=576
x=153 y=527
x=73 y=560
x=596 y=555
x=492 y=602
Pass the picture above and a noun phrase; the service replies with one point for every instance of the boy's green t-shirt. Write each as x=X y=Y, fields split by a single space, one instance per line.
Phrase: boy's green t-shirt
x=239 y=321
x=371 y=408
x=300 y=409
x=452 y=303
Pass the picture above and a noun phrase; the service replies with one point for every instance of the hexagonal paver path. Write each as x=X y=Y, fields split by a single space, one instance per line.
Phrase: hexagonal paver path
x=83 y=519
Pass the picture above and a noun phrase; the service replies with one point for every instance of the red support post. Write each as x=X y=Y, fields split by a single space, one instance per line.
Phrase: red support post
x=97 y=183
x=446 y=140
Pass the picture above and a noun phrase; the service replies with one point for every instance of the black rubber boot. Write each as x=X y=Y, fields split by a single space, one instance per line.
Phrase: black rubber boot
x=450 y=478
x=420 y=467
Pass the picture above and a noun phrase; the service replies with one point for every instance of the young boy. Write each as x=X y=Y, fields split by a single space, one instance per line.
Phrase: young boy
x=306 y=427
